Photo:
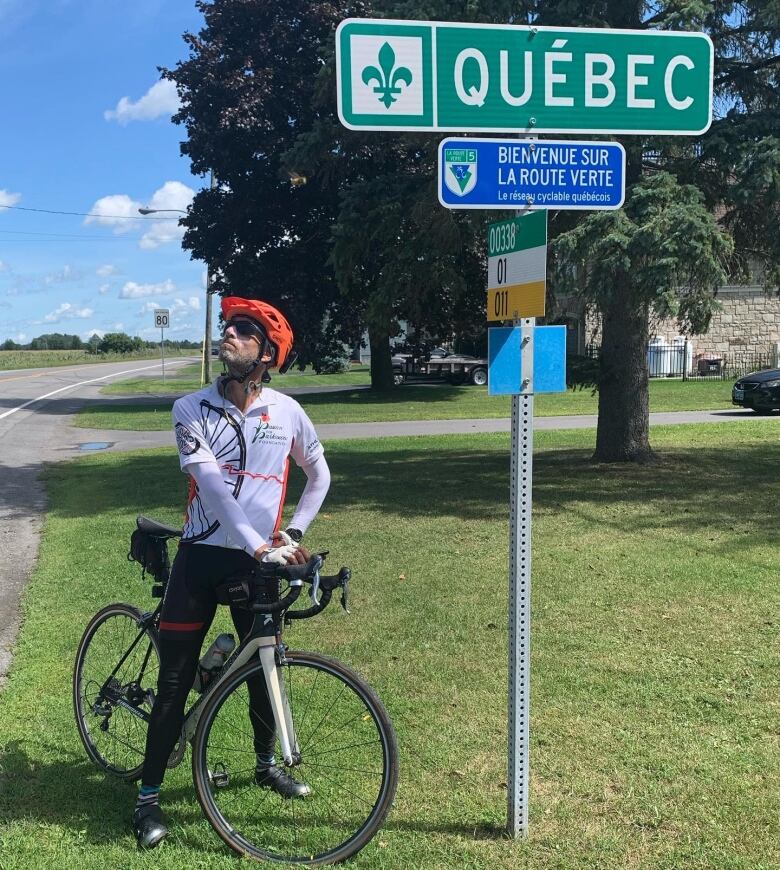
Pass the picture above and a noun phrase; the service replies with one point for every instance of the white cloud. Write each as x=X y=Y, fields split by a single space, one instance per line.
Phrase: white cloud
x=107 y=271
x=191 y=303
x=118 y=327
x=132 y=290
x=179 y=306
x=67 y=273
x=113 y=211
x=7 y=198
x=103 y=289
x=20 y=337
x=161 y=99
x=173 y=196
x=4 y=267
x=66 y=311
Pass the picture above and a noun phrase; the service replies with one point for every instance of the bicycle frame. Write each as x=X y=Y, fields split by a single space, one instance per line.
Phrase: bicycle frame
x=264 y=639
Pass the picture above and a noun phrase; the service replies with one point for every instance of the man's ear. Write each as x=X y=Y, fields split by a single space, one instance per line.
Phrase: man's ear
x=269 y=353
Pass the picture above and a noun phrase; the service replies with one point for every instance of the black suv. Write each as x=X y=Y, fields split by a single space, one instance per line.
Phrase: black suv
x=759 y=391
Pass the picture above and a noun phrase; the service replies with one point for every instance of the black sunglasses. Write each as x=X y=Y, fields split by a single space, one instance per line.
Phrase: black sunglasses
x=245 y=328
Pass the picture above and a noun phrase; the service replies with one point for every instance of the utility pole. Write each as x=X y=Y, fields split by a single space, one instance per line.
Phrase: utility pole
x=207 y=336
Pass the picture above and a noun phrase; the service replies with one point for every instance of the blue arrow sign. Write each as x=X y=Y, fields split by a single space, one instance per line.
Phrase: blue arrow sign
x=520 y=173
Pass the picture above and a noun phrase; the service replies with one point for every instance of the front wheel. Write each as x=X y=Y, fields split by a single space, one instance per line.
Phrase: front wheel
x=348 y=758
x=114 y=682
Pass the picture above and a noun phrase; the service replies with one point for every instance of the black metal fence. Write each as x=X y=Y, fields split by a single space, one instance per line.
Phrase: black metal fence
x=678 y=361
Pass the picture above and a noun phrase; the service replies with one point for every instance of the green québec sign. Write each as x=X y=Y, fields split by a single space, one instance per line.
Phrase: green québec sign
x=416 y=75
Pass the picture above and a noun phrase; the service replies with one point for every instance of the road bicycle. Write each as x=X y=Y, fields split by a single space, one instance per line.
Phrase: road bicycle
x=331 y=728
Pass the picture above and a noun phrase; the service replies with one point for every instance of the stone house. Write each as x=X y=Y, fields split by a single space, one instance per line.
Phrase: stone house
x=746 y=326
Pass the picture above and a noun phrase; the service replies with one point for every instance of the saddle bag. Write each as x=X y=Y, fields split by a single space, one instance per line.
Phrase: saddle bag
x=238 y=590
x=151 y=553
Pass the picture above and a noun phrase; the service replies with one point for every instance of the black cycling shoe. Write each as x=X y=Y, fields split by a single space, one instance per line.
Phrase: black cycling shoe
x=149 y=826
x=277 y=780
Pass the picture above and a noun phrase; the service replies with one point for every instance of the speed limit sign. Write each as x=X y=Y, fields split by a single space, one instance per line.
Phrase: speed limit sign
x=162 y=319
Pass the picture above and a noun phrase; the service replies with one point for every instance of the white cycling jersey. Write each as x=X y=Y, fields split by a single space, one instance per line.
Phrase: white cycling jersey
x=252 y=452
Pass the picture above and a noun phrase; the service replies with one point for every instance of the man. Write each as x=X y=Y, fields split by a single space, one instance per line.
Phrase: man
x=235 y=438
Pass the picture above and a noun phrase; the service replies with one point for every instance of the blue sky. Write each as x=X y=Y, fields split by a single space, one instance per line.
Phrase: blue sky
x=86 y=128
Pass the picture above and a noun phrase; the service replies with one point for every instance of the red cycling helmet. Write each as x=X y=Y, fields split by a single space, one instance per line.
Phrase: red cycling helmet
x=273 y=322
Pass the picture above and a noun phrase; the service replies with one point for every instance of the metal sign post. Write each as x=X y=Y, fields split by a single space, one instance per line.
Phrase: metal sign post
x=520 y=503
x=162 y=319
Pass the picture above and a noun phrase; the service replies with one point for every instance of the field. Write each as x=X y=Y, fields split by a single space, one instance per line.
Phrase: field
x=36 y=359
x=415 y=402
x=655 y=687
x=188 y=379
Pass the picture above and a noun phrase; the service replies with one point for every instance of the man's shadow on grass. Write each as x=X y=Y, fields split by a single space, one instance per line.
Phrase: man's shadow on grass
x=75 y=794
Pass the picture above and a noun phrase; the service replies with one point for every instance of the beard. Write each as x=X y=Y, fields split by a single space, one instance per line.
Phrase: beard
x=237 y=361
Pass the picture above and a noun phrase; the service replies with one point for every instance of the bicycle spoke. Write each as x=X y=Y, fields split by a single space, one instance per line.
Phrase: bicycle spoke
x=115 y=637
x=314 y=764
x=326 y=714
x=348 y=746
x=347 y=800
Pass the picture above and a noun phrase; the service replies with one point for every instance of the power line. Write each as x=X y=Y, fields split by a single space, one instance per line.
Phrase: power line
x=123 y=217
x=58 y=235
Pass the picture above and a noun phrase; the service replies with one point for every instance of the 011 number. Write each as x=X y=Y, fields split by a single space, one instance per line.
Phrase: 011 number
x=501 y=305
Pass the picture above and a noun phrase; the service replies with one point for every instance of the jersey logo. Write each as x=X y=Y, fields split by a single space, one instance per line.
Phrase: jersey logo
x=186 y=441
x=262 y=427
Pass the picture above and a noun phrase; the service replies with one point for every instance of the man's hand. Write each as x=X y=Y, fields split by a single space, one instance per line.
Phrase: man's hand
x=284 y=555
x=299 y=555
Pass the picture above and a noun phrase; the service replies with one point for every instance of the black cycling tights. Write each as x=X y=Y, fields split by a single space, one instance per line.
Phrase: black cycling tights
x=187 y=613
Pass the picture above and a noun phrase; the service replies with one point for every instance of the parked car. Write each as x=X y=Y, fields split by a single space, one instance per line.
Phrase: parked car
x=759 y=391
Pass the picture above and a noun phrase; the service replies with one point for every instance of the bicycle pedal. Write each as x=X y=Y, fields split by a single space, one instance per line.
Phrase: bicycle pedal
x=219 y=776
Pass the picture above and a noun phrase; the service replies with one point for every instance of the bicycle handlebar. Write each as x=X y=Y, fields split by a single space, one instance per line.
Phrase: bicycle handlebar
x=297 y=575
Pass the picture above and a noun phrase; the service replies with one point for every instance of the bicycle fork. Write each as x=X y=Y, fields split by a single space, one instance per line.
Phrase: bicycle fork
x=280 y=705
x=267 y=648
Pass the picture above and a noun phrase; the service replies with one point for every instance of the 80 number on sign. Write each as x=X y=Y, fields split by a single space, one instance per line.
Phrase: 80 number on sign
x=161 y=319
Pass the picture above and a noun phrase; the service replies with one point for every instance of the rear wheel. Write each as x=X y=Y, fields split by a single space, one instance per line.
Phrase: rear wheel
x=348 y=757
x=479 y=376
x=398 y=377
x=112 y=702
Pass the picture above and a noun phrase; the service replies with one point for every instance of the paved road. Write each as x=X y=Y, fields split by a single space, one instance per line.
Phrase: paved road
x=120 y=440
x=35 y=430
x=36 y=406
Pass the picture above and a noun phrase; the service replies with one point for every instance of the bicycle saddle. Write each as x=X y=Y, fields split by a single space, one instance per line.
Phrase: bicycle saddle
x=152 y=527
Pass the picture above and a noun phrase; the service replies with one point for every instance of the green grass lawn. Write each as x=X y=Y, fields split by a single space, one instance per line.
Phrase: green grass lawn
x=425 y=403
x=188 y=379
x=656 y=693
x=33 y=359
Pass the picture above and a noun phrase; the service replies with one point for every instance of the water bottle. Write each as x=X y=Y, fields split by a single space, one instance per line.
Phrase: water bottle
x=211 y=663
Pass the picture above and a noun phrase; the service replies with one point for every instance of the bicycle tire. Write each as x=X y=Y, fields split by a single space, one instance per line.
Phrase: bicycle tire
x=329 y=703
x=114 y=738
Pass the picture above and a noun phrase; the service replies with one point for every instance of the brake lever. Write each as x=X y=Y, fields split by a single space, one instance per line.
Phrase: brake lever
x=315 y=588
x=345 y=575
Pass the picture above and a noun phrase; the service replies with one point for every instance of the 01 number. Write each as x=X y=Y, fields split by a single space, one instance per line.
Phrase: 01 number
x=501 y=270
